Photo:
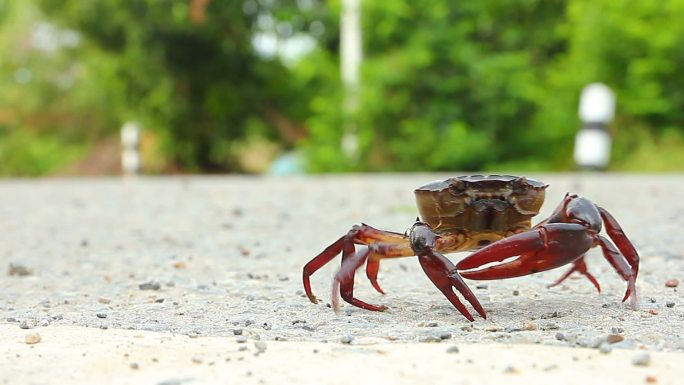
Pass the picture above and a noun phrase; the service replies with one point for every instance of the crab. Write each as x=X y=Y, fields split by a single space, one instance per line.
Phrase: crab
x=490 y=215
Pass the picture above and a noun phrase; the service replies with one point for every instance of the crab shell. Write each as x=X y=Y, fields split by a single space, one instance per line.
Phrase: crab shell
x=486 y=208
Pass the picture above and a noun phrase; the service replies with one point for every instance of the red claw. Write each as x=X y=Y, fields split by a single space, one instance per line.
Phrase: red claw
x=445 y=277
x=543 y=248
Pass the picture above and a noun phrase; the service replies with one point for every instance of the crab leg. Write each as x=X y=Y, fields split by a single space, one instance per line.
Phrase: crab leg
x=622 y=266
x=319 y=261
x=361 y=235
x=543 y=248
x=581 y=267
x=372 y=269
x=343 y=283
x=382 y=250
x=621 y=241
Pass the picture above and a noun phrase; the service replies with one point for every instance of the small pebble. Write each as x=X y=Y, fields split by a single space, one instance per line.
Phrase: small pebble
x=560 y=336
x=134 y=366
x=653 y=311
x=605 y=348
x=242 y=348
x=25 y=325
x=511 y=370
x=554 y=314
x=482 y=286
x=19 y=270
x=101 y=315
x=651 y=379
x=641 y=359
x=347 y=339
x=260 y=346
x=669 y=303
x=674 y=282
x=104 y=300
x=180 y=265
x=529 y=325
x=516 y=292
x=197 y=360
x=452 y=349
x=241 y=339
x=550 y=326
x=237 y=332
x=614 y=338
x=429 y=339
x=32 y=338
x=149 y=286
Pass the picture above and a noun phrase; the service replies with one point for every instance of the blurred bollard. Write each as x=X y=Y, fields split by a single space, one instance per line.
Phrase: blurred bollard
x=596 y=111
x=130 y=143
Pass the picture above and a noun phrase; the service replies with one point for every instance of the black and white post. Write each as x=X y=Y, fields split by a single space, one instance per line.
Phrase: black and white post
x=130 y=145
x=593 y=141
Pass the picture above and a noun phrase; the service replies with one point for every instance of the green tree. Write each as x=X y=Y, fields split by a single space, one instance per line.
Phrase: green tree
x=448 y=85
x=495 y=84
x=189 y=70
x=50 y=105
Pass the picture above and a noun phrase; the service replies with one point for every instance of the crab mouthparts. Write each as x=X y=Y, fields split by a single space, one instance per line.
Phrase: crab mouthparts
x=495 y=202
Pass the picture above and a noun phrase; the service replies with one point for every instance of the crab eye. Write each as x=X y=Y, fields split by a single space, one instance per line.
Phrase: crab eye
x=520 y=185
x=457 y=187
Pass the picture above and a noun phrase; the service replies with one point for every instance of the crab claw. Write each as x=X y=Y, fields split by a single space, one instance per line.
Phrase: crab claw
x=441 y=271
x=543 y=248
x=445 y=277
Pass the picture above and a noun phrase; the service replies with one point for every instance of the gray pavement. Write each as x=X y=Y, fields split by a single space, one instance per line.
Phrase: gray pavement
x=222 y=257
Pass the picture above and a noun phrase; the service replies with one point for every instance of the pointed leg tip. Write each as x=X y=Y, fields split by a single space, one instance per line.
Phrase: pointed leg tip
x=336 y=306
x=377 y=287
x=312 y=298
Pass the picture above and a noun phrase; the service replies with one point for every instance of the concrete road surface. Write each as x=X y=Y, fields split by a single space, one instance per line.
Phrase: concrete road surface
x=198 y=280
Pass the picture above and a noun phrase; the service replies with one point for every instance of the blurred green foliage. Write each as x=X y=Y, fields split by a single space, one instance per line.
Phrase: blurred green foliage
x=488 y=85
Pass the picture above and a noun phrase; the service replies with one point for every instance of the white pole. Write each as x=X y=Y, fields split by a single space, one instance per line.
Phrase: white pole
x=351 y=57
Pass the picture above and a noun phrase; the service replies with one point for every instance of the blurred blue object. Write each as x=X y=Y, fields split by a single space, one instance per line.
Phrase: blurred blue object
x=289 y=163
